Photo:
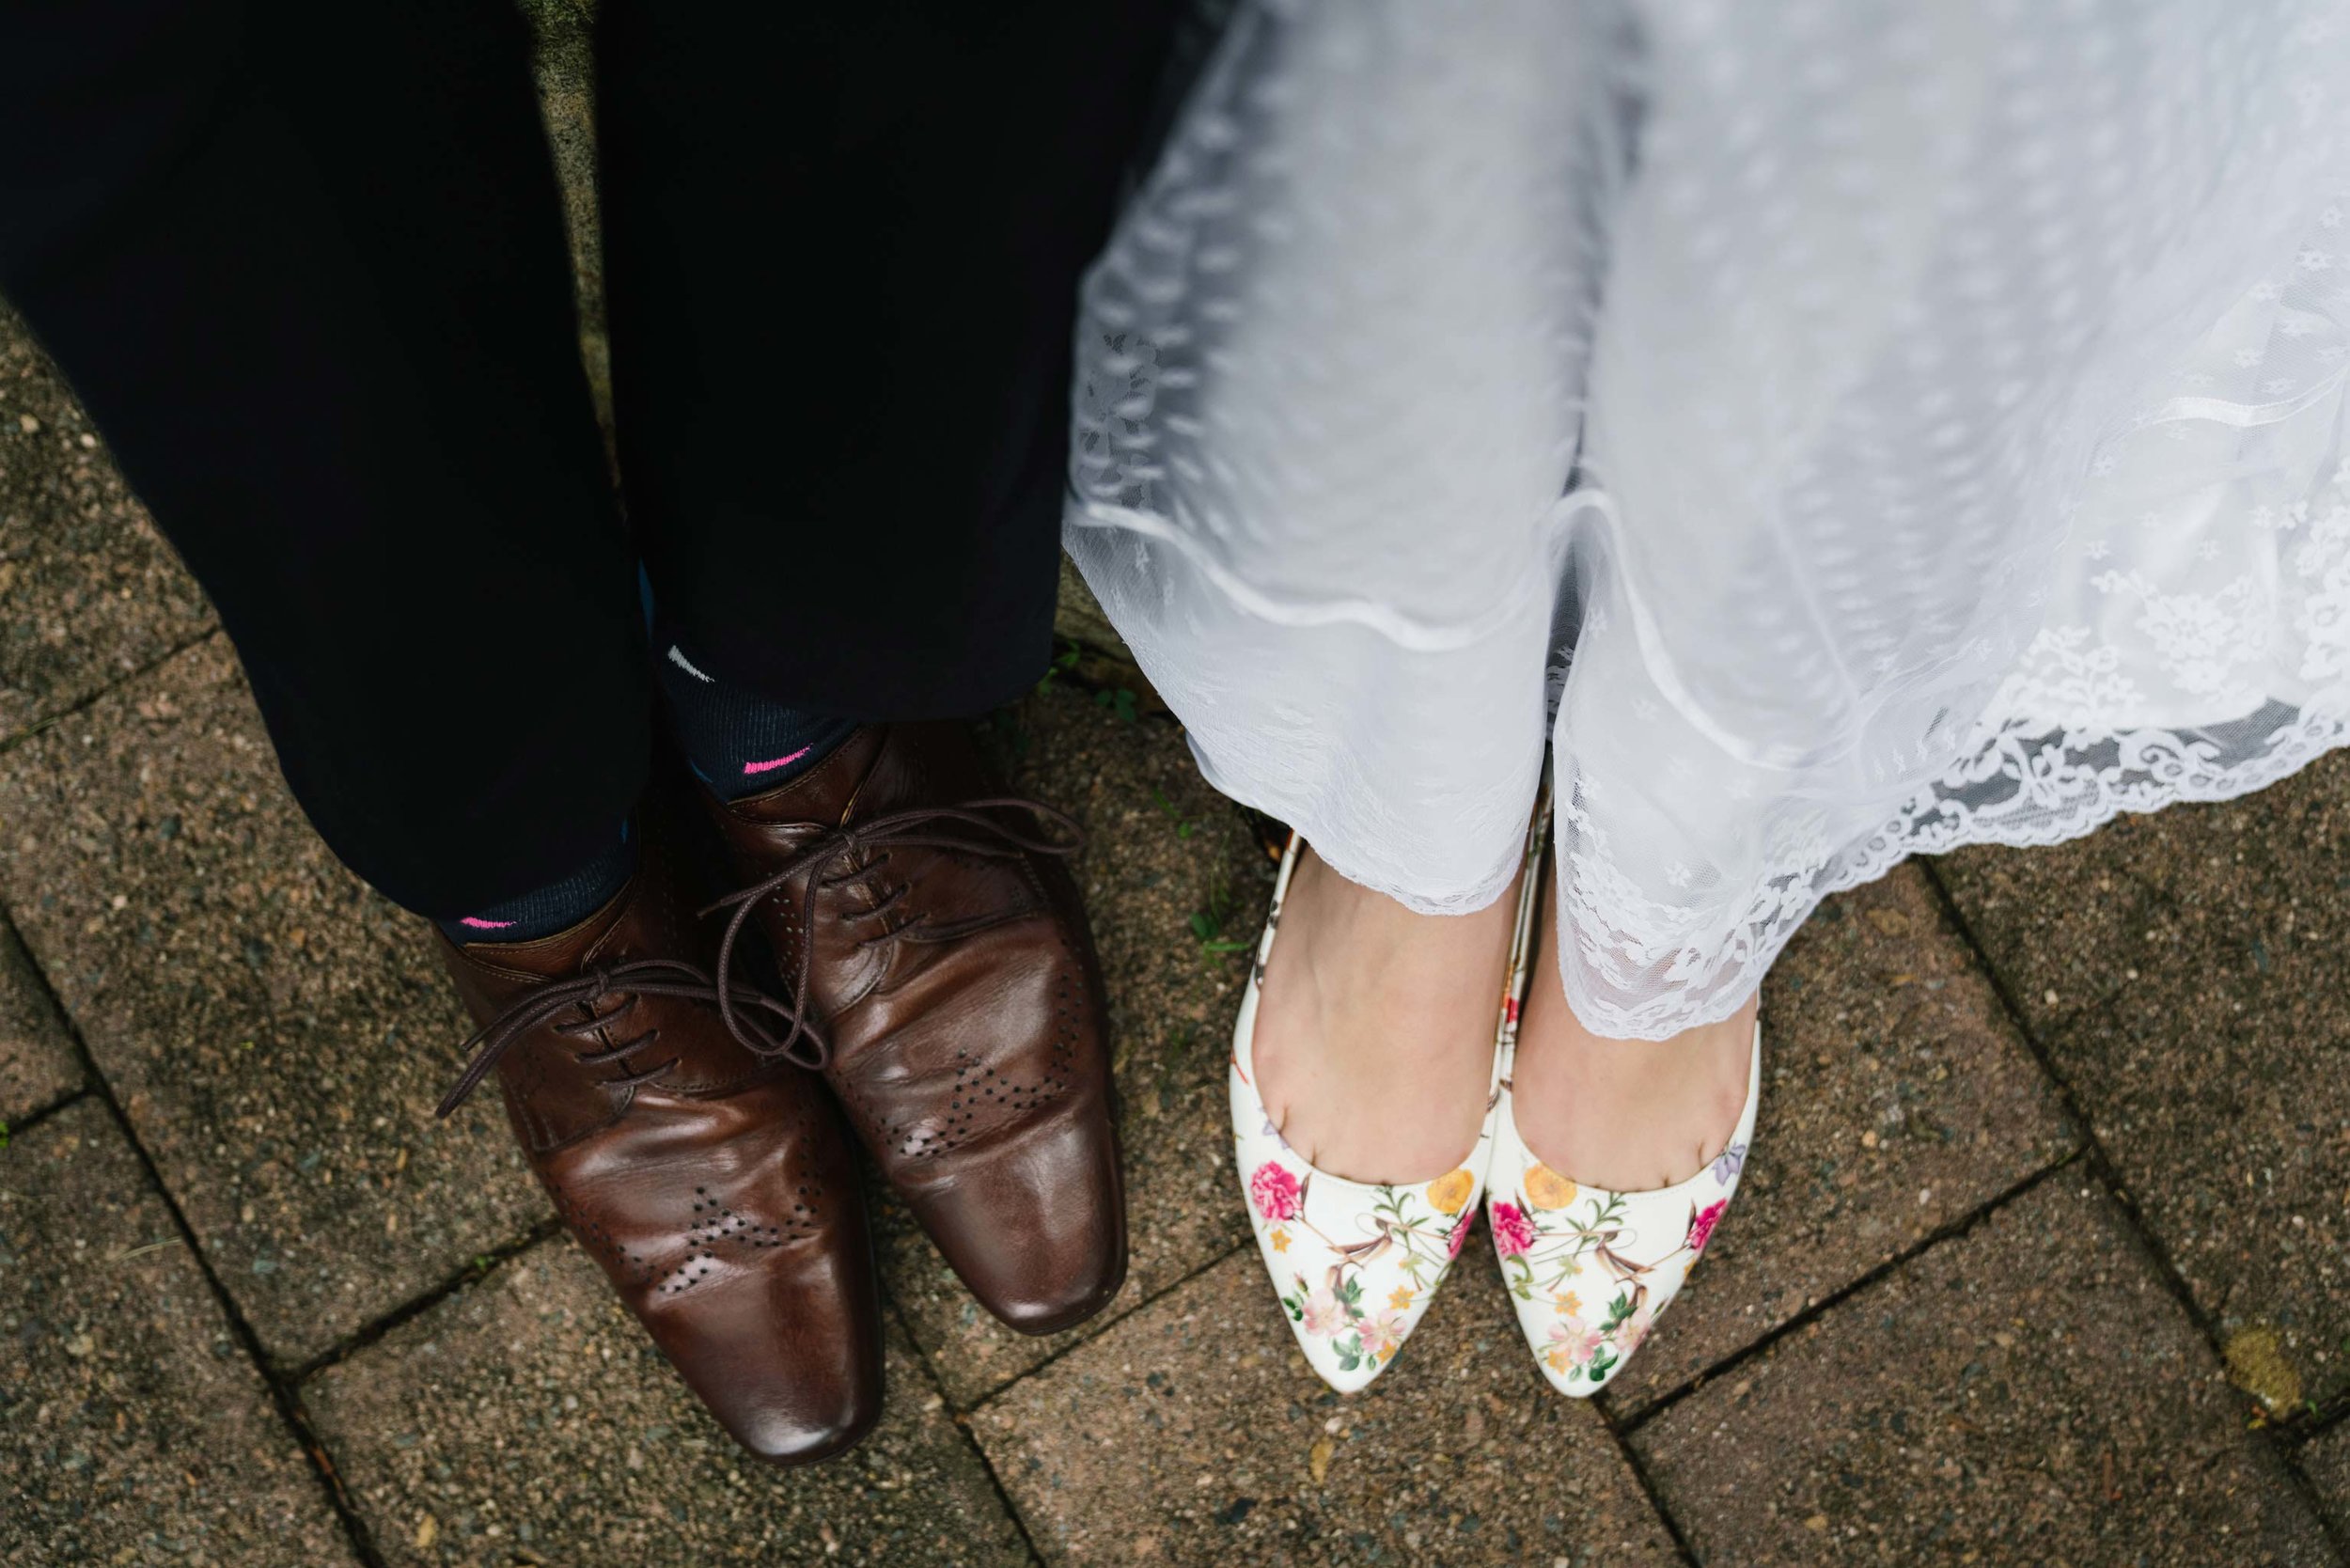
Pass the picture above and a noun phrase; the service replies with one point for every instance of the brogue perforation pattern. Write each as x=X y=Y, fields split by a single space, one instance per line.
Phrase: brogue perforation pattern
x=601 y=1242
x=715 y=1227
x=982 y=1086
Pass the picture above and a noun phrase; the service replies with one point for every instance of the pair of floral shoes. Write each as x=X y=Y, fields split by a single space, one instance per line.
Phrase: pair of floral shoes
x=1355 y=1263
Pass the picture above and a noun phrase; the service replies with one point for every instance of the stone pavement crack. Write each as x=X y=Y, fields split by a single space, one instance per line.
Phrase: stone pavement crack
x=49 y=721
x=2268 y=1437
x=1095 y=1328
x=970 y=1441
x=480 y=1268
x=282 y=1392
x=1812 y=1313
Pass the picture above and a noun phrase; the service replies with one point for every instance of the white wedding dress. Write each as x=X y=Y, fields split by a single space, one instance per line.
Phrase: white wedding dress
x=1840 y=429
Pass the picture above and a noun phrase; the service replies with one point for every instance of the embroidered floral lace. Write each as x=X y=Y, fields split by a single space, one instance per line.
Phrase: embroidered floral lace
x=1843 y=430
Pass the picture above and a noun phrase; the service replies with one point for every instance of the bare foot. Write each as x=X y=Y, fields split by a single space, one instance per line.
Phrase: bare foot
x=1626 y=1115
x=1376 y=1028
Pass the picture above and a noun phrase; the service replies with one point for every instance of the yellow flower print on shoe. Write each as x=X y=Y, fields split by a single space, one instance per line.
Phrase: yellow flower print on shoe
x=1449 y=1195
x=1354 y=1264
x=1631 y=1251
x=1545 y=1188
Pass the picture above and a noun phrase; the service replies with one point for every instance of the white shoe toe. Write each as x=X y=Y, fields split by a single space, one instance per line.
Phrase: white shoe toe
x=1355 y=1264
x=1590 y=1270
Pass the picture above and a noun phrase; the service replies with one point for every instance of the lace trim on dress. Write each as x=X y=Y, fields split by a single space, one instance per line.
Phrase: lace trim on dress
x=2016 y=787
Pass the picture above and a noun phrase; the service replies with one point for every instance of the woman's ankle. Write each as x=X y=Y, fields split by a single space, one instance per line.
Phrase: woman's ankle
x=1625 y=1115
x=1375 y=1028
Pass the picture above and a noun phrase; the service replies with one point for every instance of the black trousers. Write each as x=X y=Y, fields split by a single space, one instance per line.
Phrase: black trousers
x=306 y=267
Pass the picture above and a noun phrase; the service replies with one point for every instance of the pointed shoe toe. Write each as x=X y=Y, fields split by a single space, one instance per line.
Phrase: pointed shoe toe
x=1354 y=1264
x=1590 y=1271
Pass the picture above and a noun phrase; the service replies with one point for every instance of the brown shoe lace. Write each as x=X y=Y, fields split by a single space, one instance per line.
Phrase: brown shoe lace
x=966 y=828
x=643 y=977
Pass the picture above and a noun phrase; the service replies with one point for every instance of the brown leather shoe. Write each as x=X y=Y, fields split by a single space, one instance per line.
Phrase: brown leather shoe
x=715 y=1187
x=938 y=945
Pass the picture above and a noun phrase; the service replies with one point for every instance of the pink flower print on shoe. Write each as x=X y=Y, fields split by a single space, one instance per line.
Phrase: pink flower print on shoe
x=1513 y=1231
x=1556 y=1240
x=1572 y=1343
x=1355 y=1263
x=1277 y=1194
x=1320 y=1312
x=1383 y=1333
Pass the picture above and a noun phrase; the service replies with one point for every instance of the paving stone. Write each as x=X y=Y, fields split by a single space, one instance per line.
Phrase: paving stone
x=38 y=1063
x=2216 y=1074
x=564 y=67
x=2027 y=1392
x=277 y=1034
x=1162 y=848
x=89 y=590
x=1193 y=1433
x=1077 y=616
x=2068 y=926
x=132 y=1428
x=528 y=1419
x=1897 y=1098
x=2326 y=1462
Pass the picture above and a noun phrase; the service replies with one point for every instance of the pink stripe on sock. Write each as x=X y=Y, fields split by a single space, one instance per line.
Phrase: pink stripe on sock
x=779 y=762
x=484 y=925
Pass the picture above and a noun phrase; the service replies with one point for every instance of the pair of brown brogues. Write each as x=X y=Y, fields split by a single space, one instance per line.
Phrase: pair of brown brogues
x=940 y=989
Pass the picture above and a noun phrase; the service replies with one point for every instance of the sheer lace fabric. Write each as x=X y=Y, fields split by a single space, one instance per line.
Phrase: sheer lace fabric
x=1839 y=429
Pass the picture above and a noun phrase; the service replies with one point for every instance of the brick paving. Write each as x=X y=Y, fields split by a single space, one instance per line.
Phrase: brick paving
x=1898 y=1100
x=37 y=1064
x=2045 y=1256
x=269 y=1028
x=525 y=1418
x=2196 y=962
x=2027 y=1392
x=137 y=1430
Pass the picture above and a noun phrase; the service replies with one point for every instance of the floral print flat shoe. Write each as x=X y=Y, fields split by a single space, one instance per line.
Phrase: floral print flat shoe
x=1355 y=1263
x=1590 y=1270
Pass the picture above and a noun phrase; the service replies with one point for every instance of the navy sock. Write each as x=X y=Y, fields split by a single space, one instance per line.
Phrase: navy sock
x=738 y=742
x=558 y=906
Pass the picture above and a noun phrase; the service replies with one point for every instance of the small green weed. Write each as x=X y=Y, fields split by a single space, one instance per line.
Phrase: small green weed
x=1063 y=662
x=1184 y=826
x=1207 y=925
